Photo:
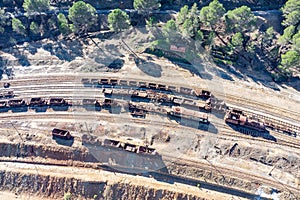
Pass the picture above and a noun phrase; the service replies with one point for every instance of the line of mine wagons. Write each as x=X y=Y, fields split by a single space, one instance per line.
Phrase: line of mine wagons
x=66 y=135
x=149 y=85
x=133 y=108
x=54 y=101
x=38 y=101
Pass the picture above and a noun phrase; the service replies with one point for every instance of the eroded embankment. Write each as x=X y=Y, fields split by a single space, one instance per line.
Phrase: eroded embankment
x=56 y=187
x=83 y=157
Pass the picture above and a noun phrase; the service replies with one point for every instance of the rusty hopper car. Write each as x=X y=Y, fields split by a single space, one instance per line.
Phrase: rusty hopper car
x=112 y=143
x=113 y=81
x=205 y=105
x=152 y=85
x=63 y=134
x=146 y=150
x=57 y=102
x=107 y=91
x=117 y=144
x=202 y=93
x=109 y=102
x=16 y=102
x=188 y=114
x=143 y=150
x=238 y=118
x=37 y=102
x=140 y=94
x=90 y=102
x=161 y=97
x=130 y=147
x=103 y=81
x=138 y=112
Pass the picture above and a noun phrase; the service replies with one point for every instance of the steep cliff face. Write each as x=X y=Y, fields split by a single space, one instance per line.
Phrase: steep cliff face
x=55 y=188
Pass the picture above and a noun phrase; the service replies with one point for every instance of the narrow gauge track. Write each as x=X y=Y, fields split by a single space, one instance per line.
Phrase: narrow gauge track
x=281 y=141
x=229 y=171
x=274 y=123
x=223 y=171
x=229 y=98
x=250 y=104
x=227 y=131
x=72 y=88
x=290 y=143
x=59 y=89
x=41 y=80
x=184 y=161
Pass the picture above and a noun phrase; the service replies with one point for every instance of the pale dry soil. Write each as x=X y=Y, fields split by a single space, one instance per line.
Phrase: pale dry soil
x=193 y=144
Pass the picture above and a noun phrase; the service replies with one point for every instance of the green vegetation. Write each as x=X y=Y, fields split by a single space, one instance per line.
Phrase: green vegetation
x=83 y=16
x=291 y=12
x=32 y=6
x=18 y=27
x=118 y=20
x=4 y=20
x=231 y=36
x=63 y=24
x=67 y=196
x=212 y=14
x=240 y=19
x=146 y=5
x=34 y=28
x=237 y=41
x=52 y=23
x=290 y=39
x=287 y=35
x=182 y=15
x=150 y=22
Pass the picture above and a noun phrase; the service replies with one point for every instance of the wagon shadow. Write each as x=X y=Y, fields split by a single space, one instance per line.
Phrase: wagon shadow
x=64 y=142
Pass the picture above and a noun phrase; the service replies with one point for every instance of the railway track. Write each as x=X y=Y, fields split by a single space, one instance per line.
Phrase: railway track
x=243 y=175
x=283 y=140
x=223 y=170
x=271 y=122
x=225 y=131
x=71 y=89
x=249 y=104
x=61 y=90
x=229 y=98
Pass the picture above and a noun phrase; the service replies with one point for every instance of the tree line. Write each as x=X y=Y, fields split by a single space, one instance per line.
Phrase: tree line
x=233 y=37
x=229 y=35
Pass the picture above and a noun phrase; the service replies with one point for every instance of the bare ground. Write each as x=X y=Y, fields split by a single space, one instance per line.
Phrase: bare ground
x=86 y=60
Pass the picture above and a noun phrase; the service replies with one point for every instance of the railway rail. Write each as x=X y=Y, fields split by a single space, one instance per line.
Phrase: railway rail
x=277 y=125
x=224 y=129
x=56 y=78
x=223 y=170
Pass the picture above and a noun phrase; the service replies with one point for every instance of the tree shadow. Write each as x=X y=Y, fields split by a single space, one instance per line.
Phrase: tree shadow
x=148 y=67
x=18 y=53
x=1 y=68
x=293 y=82
x=265 y=83
x=66 y=50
